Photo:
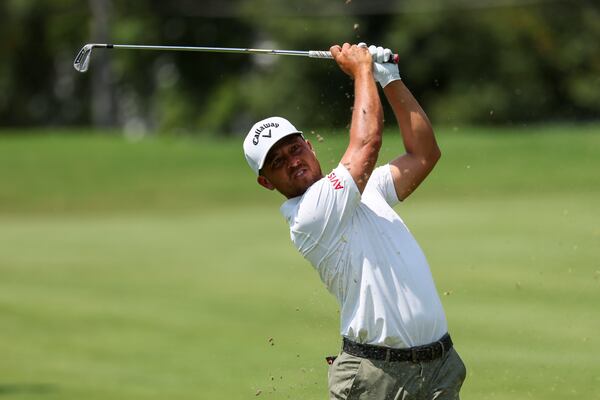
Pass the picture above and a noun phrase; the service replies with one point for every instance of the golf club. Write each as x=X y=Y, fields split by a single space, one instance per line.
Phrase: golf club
x=82 y=61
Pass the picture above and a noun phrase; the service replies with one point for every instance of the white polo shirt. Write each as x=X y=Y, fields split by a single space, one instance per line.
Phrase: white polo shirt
x=368 y=259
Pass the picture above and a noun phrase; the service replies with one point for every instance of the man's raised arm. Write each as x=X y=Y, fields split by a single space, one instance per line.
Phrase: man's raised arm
x=422 y=151
x=367 y=115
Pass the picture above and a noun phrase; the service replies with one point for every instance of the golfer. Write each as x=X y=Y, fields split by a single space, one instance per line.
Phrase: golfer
x=395 y=335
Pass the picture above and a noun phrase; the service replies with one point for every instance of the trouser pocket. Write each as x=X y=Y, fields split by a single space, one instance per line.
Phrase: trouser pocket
x=342 y=373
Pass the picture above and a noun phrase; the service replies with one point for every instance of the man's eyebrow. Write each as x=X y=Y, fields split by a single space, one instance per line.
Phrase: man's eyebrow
x=275 y=152
x=271 y=156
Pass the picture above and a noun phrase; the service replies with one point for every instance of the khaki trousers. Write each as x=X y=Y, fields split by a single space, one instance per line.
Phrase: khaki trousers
x=352 y=377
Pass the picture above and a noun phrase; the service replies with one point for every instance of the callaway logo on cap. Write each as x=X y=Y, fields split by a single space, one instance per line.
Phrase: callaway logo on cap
x=263 y=135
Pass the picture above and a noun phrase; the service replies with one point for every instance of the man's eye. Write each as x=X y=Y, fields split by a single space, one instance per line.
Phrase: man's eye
x=276 y=163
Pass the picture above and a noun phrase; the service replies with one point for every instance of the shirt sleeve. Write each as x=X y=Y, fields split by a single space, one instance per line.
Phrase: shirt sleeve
x=382 y=183
x=325 y=211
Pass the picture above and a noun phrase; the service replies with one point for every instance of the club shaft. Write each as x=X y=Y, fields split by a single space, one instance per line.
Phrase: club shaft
x=82 y=59
x=208 y=49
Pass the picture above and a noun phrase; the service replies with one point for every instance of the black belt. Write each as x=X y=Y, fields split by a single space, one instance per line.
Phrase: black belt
x=427 y=352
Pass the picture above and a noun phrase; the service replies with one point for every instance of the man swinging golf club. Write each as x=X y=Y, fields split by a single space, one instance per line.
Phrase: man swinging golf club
x=395 y=335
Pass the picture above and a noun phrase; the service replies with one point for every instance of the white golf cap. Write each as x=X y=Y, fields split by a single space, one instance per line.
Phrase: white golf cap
x=263 y=135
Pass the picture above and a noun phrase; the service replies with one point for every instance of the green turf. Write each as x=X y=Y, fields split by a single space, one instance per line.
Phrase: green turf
x=159 y=269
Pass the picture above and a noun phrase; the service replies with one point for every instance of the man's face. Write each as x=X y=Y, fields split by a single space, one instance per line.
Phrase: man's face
x=291 y=167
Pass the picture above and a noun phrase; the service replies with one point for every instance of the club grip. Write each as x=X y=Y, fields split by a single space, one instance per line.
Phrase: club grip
x=326 y=54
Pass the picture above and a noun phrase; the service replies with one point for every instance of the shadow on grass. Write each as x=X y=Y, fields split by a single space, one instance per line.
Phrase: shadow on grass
x=27 y=388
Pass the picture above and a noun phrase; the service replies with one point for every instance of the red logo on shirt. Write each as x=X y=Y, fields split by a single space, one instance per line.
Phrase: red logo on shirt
x=335 y=181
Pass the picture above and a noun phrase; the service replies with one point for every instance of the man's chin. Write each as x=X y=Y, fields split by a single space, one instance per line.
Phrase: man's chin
x=304 y=184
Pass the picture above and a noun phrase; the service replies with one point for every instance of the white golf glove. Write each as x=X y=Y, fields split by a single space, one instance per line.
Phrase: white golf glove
x=384 y=72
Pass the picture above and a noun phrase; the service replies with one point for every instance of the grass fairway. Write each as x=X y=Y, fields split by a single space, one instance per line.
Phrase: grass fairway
x=160 y=270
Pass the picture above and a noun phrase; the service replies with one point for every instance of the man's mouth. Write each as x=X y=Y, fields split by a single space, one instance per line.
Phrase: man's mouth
x=299 y=173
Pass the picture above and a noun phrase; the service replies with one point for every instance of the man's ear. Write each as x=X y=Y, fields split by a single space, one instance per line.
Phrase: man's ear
x=264 y=182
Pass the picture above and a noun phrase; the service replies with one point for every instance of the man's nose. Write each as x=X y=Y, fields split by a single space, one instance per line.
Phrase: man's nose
x=294 y=162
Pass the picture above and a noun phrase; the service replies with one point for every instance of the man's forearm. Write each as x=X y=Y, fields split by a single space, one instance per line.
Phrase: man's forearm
x=365 y=131
x=367 y=114
x=416 y=130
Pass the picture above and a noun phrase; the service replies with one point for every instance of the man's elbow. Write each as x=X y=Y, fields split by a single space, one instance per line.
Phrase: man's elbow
x=432 y=157
x=374 y=143
x=436 y=153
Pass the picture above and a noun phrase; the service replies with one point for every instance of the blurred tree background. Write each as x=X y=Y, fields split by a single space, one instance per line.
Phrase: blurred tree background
x=471 y=62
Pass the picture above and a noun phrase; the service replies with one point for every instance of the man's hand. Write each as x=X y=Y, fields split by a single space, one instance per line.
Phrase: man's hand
x=384 y=71
x=352 y=59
